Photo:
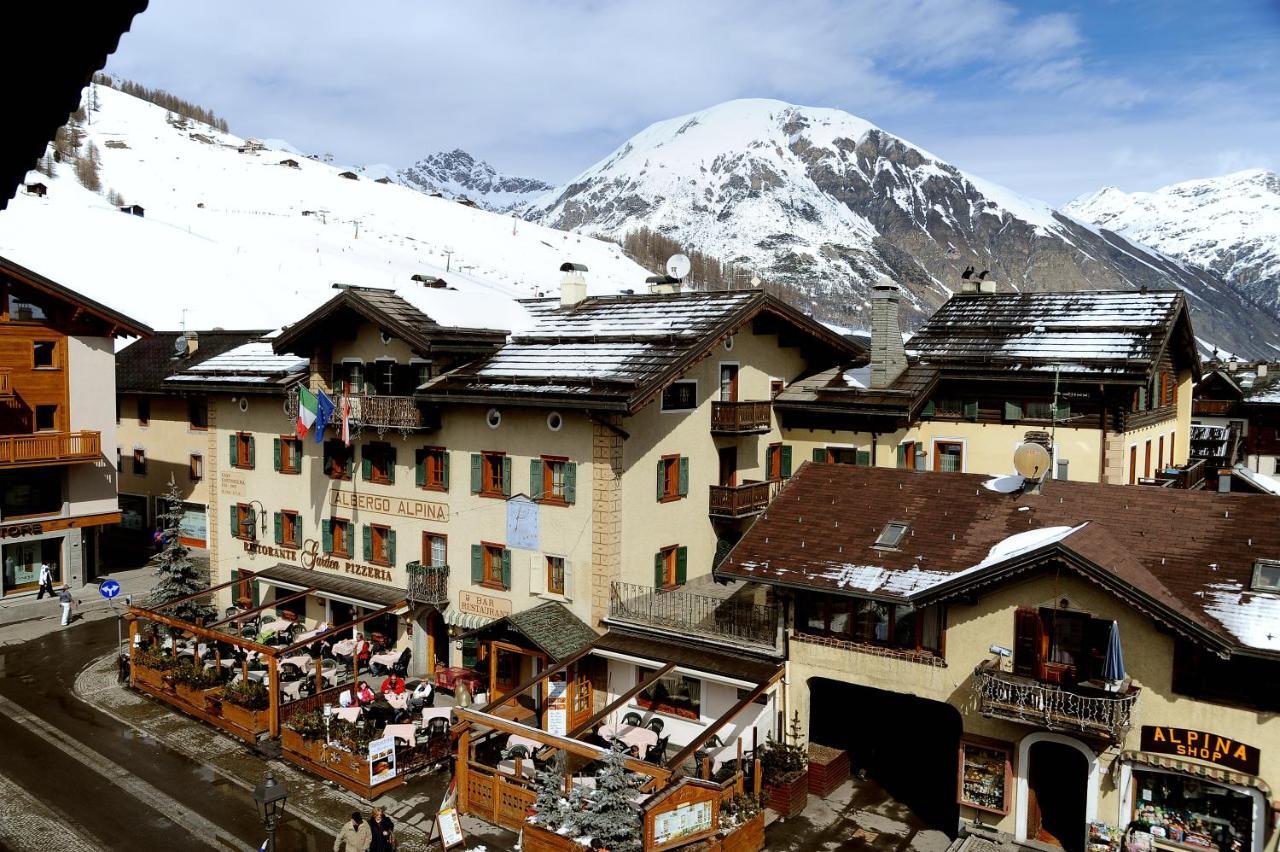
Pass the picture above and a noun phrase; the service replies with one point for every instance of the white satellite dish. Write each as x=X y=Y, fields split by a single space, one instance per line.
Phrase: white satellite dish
x=180 y=345
x=678 y=266
x=1031 y=461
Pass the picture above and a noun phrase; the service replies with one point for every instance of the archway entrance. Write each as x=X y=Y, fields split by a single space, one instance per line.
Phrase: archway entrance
x=907 y=745
x=1057 y=795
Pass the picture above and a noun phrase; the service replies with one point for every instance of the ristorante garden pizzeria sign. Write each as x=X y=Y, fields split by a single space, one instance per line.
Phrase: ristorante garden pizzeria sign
x=310 y=557
x=1201 y=745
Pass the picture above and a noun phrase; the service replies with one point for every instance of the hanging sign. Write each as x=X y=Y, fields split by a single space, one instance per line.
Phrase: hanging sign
x=1201 y=745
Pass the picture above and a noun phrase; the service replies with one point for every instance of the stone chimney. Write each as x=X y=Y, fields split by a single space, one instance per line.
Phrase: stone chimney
x=573 y=284
x=193 y=341
x=888 y=355
x=662 y=285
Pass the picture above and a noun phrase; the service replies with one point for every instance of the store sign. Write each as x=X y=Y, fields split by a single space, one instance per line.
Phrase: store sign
x=417 y=510
x=310 y=557
x=1201 y=745
x=19 y=530
x=485 y=605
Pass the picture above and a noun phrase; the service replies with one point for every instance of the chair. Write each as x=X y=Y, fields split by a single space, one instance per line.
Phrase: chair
x=437 y=726
x=401 y=666
x=290 y=671
x=656 y=725
x=657 y=753
x=632 y=719
x=231 y=612
x=249 y=631
x=308 y=688
x=519 y=750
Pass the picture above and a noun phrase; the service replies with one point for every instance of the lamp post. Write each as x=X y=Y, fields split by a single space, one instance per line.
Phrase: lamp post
x=271 y=798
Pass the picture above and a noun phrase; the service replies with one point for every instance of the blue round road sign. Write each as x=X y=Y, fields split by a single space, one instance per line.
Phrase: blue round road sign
x=108 y=589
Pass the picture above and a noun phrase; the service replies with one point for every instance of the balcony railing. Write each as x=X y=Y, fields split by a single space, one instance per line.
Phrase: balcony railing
x=6 y=381
x=1188 y=476
x=372 y=412
x=724 y=619
x=1020 y=699
x=740 y=418
x=740 y=501
x=428 y=584
x=49 y=448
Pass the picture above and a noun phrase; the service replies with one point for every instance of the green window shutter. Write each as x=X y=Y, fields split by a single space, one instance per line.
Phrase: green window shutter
x=1142 y=399
x=506 y=476
x=684 y=476
x=391 y=466
x=662 y=478
x=297 y=530
x=971 y=410
x=506 y=568
x=253 y=523
x=902 y=456
x=391 y=546
x=279 y=518
x=235 y=520
x=420 y=468
x=786 y=460
x=658 y=579
x=475 y=473
x=571 y=482
x=927 y=411
x=255 y=594
x=820 y=454
x=682 y=565
x=275 y=447
x=1012 y=410
x=367 y=534
x=1064 y=411
x=326 y=536
x=535 y=479
x=477 y=564
x=863 y=458
x=444 y=469
x=234 y=457
x=366 y=464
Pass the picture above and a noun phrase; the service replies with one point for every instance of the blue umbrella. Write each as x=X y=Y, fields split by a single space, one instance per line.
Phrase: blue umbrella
x=1113 y=659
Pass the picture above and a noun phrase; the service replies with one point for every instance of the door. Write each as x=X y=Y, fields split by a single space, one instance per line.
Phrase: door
x=1133 y=465
x=1057 y=789
x=1146 y=467
x=728 y=382
x=728 y=466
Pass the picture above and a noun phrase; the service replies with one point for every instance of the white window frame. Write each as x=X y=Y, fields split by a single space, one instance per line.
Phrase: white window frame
x=943 y=439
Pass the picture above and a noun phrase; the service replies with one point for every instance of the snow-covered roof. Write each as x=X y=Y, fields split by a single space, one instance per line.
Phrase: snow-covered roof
x=253 y=364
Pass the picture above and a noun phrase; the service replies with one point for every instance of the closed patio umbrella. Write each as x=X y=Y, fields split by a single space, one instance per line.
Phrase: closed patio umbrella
x=1113 y=659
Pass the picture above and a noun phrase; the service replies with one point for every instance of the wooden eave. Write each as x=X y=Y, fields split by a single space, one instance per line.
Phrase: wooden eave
x=116 y=323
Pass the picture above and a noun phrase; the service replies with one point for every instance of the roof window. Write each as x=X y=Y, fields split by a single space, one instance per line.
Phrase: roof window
x=891 y=535
x=1266 y=575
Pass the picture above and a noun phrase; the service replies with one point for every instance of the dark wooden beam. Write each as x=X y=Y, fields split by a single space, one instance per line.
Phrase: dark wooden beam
x=257 y=609
x=333 y=631
x=622 y=699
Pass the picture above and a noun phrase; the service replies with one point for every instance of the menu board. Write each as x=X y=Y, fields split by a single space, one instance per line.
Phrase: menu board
x=684 y=821
x=382 y=760
x=984 y=776
x=557 y=705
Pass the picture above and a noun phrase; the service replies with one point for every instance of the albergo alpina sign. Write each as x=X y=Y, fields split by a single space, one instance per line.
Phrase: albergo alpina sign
x=1201 y=745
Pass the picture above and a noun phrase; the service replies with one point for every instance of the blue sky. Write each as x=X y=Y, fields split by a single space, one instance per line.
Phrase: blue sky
x=1050 y=99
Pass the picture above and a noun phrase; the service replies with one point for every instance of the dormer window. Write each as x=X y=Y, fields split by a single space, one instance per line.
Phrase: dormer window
x=1266 y=576
x=892 y=534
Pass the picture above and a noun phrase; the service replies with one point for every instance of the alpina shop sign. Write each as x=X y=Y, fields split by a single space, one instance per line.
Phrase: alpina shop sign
x=1201 y=745
x=418 y=510
x=310 y=557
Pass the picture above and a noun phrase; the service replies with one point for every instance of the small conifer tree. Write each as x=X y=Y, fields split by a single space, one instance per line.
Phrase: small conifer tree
x=611 y=820
x=177 y=576
x=550 y=802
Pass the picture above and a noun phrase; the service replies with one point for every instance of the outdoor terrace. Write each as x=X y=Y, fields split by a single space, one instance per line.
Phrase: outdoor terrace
x=742 y=615
x=49 y=448
x=1020 y=699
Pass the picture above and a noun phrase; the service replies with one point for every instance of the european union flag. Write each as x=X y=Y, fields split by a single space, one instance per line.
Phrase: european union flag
x=324 y=413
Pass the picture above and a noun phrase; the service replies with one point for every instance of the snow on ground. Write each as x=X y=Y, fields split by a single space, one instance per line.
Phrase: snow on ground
x=238 y=241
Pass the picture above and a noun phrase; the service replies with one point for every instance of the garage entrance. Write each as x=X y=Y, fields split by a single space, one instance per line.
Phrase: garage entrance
x=907 y=745
x=1057 y=788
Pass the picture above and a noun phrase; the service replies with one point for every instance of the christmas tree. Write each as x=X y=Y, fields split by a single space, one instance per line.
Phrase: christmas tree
x=550 y=802
x=177 y=575
x=611 y=820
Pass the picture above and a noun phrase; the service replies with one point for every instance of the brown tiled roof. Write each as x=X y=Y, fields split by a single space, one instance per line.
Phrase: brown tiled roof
x=144 y=364
x=551 y=627
x=117 y=324
x=1186 y=557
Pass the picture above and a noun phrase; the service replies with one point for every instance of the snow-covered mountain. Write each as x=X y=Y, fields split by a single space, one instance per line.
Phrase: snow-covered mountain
x=1230 y=224
x=826 y=201
x=457 y=174
x=245 y=240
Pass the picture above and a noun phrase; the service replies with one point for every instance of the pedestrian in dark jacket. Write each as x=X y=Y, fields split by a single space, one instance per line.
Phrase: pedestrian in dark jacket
x=383 y=830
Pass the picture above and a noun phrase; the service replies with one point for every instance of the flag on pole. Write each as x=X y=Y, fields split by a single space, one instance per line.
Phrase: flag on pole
x=324 y=413
x=306 y=411
x=346 y=421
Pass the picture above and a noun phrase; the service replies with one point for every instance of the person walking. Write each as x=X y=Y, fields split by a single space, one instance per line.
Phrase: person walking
x=383 y=831
x=354 y=836
x=46 y=581
x=64 y=598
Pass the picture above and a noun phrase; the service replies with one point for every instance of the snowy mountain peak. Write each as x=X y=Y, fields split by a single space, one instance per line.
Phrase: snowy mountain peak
x=459 y=175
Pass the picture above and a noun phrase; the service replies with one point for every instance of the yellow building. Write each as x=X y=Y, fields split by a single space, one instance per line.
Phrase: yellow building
x=1107 y=375
x=1030 y=660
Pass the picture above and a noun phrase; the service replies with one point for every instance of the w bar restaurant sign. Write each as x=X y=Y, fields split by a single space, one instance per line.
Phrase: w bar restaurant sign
x=1201 y=745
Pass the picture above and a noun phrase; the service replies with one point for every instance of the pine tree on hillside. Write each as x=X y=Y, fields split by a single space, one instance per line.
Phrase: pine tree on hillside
x=87 y=169
x=611 y=821
x=177 y=575
x=114 y=198
x=44 y=165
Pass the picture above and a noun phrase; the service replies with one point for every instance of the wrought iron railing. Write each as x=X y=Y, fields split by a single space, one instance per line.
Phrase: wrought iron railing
x=428 y=584
x=371 y=412
x=694 y=614
x=737 y=418
x=1005 y=696
x=739 y=501
x=50 y=447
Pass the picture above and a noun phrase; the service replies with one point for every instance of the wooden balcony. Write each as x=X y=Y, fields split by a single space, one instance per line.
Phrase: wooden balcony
x=49 y=448
x=1189 y=477
x=740 y=418
x=740 y=501
x=6 y=382
x=1021 y=699
x=377 y=413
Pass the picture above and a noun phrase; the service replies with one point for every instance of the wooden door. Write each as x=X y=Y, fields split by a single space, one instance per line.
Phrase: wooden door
x=728 y=382
x=1133 y=465
x=1146 y=467
x=728 y=466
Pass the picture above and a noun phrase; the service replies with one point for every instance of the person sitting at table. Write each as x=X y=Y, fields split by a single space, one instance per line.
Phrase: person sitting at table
x=393 y=684
x=362 y=652
x=364 y=695
x=424 y=695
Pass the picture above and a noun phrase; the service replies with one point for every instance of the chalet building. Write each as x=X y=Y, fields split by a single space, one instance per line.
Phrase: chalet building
x=1030 y=660
x=37 y=189
x=1245 y=402
x=162 y=431
x=57 y=379
x=349 y=175
x=1107 y=375
x=383 y=180
x=133 y=210
x=290 y=163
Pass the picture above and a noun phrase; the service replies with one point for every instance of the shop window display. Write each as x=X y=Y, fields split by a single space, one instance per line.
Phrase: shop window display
x=1189 y=813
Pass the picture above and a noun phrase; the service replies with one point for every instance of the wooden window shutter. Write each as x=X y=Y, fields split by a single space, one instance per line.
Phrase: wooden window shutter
x=659 y=572
x=253 y=523
x=235 y=521
x=568 y=580
x=297 y=530
x=1012 y=410
x=1063 y=411
x=682 y=565
x=902 y=456
x=235 y=449
x=684 y=476
x=571 y=482
x=863 y=457
x=252 y=445
x=477 y=564
x=820 y=454
x=275 y=447
x=475 y=473
x=662 y=478
x=366 y=464
x=391 y=465
x=279 y=519
x=368 y=541
x=785 y=450
x=506 y=476
x=1142 y=399
x=326 y=536
x=420 y=468
x=1027 y=636
x=538 y=575
x=535 y=479
x=444 y=469
x=255 y=593
x=928 y=409
x=506 y=568
x=391 y=546
x=971 y=409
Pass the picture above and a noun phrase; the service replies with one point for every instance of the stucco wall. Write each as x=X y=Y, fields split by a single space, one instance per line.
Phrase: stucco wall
x=91 y=488
x=169 y=442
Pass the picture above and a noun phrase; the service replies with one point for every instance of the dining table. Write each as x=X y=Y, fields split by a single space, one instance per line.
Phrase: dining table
x=407 y=732
x=276 y=625
x=641 y=738
x=429 y=713
x=387 y=658
x=349 y=714
x=302 y=661
x=344 y=647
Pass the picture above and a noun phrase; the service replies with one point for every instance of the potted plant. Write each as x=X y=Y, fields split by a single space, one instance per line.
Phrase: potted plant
x=150 y=666
x=304 y=734
x=244 y=704
x=191 y=681
x=784 y=770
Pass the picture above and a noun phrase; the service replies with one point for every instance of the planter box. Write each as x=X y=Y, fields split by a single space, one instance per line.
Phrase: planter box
x=828 y=769
x=293 y=741
x=192 y=695
x=153 y=678
x=346 y=764
x=788 y=800
x=538 y=839
x=748 y=837
x=251 y=721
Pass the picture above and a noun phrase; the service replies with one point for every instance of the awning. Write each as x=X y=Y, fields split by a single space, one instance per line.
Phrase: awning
x=358 y=592
x=1200 y=770
x=455 y=617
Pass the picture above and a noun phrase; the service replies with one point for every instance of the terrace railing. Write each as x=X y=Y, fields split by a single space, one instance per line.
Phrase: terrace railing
x=1020 y=699
x=372 y=412
x=724 y=619
x=49 y=448
x=740 y=418
x=740 y=501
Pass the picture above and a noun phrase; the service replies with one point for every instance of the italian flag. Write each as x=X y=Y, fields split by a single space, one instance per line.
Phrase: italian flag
x=306 y=411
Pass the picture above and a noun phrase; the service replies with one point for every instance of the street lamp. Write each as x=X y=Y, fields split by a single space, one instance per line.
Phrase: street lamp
x=270 y=797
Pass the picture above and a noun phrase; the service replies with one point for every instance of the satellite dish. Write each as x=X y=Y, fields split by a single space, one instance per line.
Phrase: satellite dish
x=1031 y=461
x=678 y=266
x=180 y=345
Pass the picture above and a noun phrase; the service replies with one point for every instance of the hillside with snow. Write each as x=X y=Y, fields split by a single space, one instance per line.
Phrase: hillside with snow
x=238 y=240
x=825 y=201
x=456 y=174
x=1229 y=224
